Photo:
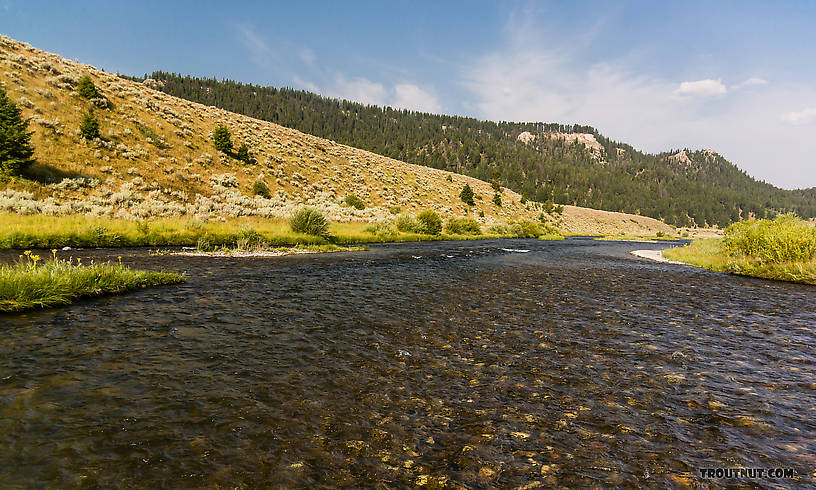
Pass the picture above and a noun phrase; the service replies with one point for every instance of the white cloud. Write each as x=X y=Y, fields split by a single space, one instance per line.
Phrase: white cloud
x=801 y=118
x=751 y=82
x=359 y=89
x=410 y=96
x=701 y=88
x=305 y=84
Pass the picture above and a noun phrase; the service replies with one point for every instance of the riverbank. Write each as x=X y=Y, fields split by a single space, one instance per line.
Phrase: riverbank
x=711 y=254
x=656 y=255
x=33 y=283
x=46 y=232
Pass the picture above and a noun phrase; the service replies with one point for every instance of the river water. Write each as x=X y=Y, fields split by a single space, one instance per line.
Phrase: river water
x=472 y=364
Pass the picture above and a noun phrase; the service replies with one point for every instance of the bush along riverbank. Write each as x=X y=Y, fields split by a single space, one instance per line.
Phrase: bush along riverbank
x=305 y=229
x=34 y=283
x=782 y=249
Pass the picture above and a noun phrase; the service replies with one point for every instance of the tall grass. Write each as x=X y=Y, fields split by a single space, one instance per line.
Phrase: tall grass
x=46 y=232
x=782 y=249
x=32 y=283
x=784 y=239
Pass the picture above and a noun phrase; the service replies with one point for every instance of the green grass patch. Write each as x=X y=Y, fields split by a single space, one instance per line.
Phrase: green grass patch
x=783 y=249
x=33 y=284
x=47 y=232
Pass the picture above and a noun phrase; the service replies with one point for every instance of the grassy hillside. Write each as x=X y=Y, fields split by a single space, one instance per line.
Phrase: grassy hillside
x=569 y=164
x=156 y=159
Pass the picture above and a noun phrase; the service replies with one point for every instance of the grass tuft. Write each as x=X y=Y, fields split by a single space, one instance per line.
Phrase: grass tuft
x=33 y=283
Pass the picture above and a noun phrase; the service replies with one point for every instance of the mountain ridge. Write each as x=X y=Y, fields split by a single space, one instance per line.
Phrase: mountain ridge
x=156 y=159
x=571 y=164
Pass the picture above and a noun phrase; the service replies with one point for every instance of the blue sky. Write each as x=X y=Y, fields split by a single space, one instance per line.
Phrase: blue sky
x=738 y=77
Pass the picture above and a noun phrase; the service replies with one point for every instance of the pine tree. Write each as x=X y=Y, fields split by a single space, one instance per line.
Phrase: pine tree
x=15 y=140
x=467 y=195
x=89 y=126
x=244 y=155
x=86 y=88
x=222 y=139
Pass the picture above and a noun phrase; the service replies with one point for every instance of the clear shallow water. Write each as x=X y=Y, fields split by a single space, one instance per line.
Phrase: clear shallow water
x=573 y=364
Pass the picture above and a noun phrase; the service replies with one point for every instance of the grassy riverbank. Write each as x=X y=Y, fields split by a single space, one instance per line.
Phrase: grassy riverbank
x=33 y=283
x=38 y=231
x=782 y=249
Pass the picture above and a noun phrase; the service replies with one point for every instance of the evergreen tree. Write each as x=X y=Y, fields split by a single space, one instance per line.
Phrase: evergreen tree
x=89 y=126
x=497 y=199
x=244 y=155
x=15 y=140
x=467 y=195
x=222 y=139
x=86 y=88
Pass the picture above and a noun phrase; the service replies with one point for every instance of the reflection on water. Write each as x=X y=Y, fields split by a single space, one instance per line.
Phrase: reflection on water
x=469 y=364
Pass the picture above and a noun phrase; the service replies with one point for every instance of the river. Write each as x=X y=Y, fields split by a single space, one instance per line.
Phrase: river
x=479 y=364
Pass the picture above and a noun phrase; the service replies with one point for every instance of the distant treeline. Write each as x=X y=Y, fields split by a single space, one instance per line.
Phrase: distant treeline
x=707 y=190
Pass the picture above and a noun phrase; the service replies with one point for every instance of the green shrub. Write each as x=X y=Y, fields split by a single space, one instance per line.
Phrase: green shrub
x=244 y=155
x=429 y=222
x=462 y=226
x=259 y=188
x=406 y=224
x=382 y=231
x=86 y=88
x=499 y=229
x=449 y=178
x=467 y=195
x=309 y=221
x=785 y=238
x=354 y=201
x=497 y=199
x=16 y=151
x=552 y=208
x=89 y=126
x=526 y=229
x=395 y=209
x=222 y=139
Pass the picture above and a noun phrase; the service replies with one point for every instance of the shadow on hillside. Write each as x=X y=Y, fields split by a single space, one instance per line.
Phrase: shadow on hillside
x=48 y=174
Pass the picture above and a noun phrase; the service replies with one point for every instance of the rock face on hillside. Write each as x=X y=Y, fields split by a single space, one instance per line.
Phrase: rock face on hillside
x=156 y=158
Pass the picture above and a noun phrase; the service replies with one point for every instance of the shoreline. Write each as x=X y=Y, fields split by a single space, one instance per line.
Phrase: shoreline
x=655 y=255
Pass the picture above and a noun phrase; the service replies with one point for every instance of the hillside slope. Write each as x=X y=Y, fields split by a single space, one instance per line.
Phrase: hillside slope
x=569 y=164
x=156 y=158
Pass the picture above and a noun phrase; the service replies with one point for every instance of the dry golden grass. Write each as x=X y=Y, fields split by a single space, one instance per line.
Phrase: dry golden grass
x=158 y=160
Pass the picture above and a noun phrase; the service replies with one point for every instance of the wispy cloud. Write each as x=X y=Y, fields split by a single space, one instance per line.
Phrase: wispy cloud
x=751 y=82
x=402 y=95
x=294 y=61
x=701 y=88
x=801 y=118
x=410 y=96
x=528 y=80
x=359 y=89
x=308 y=56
